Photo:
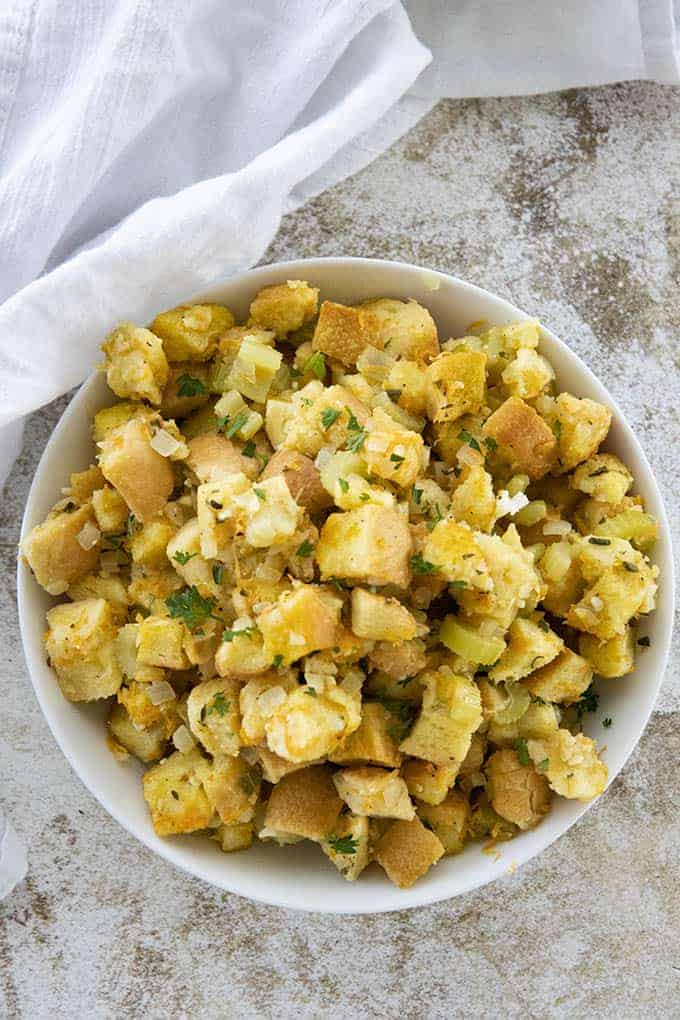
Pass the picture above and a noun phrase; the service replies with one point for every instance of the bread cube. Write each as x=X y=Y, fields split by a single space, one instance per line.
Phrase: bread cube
x=142 y=476
x=54 y=553
x=515 y=583
x=343 y=333
x=368 y=790
x=371 y=544
x=473 y=501
x=80 y=645
x=528 y=374
x=254 y=713
x=274 y=768
x=302 y=478
x=214 y=716
x=412 y=384
x=110 y=510
x=183 y=551
x=603 y=477
x=407 y=851
x=427 y=782
x=277 y=416
x=380 y=618
x=191 y=332
x=84 y=483
x=135 y=698
x=394 y=453
x=404 y=328
x=150 y=588
x=458 y=381
x=562 y=680
x=284 y=307
x=97 y=586
x=234 y=837
x=452 y=550
x=616 y=597
x=253 y=369
x=159 y=643
x=186 y=389
x=111 y=418
x=321 y=418
x=147 y=745
x=398 y=662
x=312 y=721
x=148 y=543
x=213 y=458
x=518 y=793
x=304 y=803
x=570 y=764
x=175 y=794
x=136 y=365
x=243 y=655
x=300 y=622
x=450 y=714
x=343 y=477
x=630 y=524
x=372 y=743
x=612 y=658
x=448 y=820
x=531 y=643
x=538 y=721
x=347 y=846
x=523 y=438
x=232 y=787
x=581 y=426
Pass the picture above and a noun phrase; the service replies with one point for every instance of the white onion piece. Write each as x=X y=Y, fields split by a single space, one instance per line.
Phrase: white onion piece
x=165 y=444
x=597 y=603
x=160 y=691
x=183 y=740
x=556 y=528
x=88 y=536
x=507 y=504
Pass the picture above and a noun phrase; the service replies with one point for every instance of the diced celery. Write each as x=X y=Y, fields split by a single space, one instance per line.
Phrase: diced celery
x=255 y=366
x=518 y=483
x=463 y=640
x=532 y=513
x=518 y=701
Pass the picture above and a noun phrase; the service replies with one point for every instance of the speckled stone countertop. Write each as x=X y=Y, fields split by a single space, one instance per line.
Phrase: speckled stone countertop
x=569 y=205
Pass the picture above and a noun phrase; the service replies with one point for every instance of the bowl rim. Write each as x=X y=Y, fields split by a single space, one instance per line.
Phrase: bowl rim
x=417 y=895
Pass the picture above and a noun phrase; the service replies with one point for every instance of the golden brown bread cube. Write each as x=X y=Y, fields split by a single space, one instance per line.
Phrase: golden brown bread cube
x=148 y=543
x=302 y=478
x=347 y=846
x=371 y=544
x=213 y=457
x=380 y=618
x=54 y=553
x=214 y=716
x=232 y=787
x=191 y=332
x=427 y=782
x=136 y=365
x=300 y=622
x=84 y=483
x=562 y=680
x=398 y=661
x=378 y=792
x=80 y=644
x=372 y=743
x=343 y=333
x=523 y=438
x=407 y=851
x=238 y=836
x=146 y=744
x=570 y=764
x=583 y=425
x=175 y=795
x=143 y=478
x=531 y=643
x=304 y=803
x=274 y=768
x=284 y=307
x=603 y=477
x=538 y=721
x=134 y=698
x=448 y=820
x=110 y=510
x=404 y=328
x=518 y=793
x=98 y=586
x=160 y=643
x=450 y=714
x=608 y=606
x=185 y=390
x=474 y=500
x=458 y=384
x=612 y=658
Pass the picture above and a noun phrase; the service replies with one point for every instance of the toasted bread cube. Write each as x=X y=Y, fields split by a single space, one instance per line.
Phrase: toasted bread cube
x=371 y=544
x=222 y=509
x=255 y=712
x=148 y=543
x=302 y=478
x=274 y=768
x=254 y=369
x=84 y=483
x=143 y=477
x=448 y=820
x=183 y=551
x=562 y=680
x=54 y=553
x=374 y=791
x=633 y=525
x=523 y=438
x=277 y=416
x=407 y=851
x=347 y=846
x=372 y=743
x=451 y=548
x=603 y=477
x=531 y=644
x=398 y=662
x=515 y=582
x=304 y=803
x=451 y=713
x=321 y=418
x=300 y=622
x=474 y=500
x=285 y=307
x=232 y=788
x=582 y=425
x=175 y=795
x=110 y=510
x=213 y=458
x=404 y=328
x=608 y=606
x=380 y=618
x=538 y=721
x=518 y=793
x=570 y=764
x=243 y=656
x=159 y=643
x=411 y=382
x=234 y=837
x=111 y=418
x=191 y=332
x=392 y=452
x=136 y=365
x=458 y=384
x=612 y=658
x=427 y=782
x=528 y=374
x=214 y=716
x=186 y=389
x=135 y=699
x=95 y=586
x=312 y=721
x=145 y=744
x=343 y=332
x=150 y=588
x=80 y=644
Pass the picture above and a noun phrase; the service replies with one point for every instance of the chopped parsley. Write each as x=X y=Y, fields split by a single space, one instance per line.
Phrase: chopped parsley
x=467 y=437
x=249 y=449
x=344 y=484
x=229 y=635
x=305 y=548
x=329 y=415
x=217 y=572
x=522 y=751
x=190 y=386
x=316 y=364
x=417 y=495
x=599 y=541
x=491 y=444
x=543 y=765
x=219 y=704
x=183 y=557
x=277 y=661
x=606 y=722
x=556 y=427
x=338 y=583
x=261 y=494
x=588 y=702
x=311 y=692
x=237 y=424
x=133 y=525
x=397 y=460
x=343 y=844
x=352 y=423
x=422 y=566
x=190 y=606
x=250 y=781
x=356 y=441
x=364 y=497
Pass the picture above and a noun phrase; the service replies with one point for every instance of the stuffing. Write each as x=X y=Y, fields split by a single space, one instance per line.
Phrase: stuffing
x=136 y=365
x=522 y=438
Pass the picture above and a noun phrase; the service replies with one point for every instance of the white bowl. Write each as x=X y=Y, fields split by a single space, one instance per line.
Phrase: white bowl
x=302 y=878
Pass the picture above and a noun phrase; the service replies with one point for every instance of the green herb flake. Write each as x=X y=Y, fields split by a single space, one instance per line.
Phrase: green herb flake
x=175 y=794
x=133 y=525
x=543 y=765
x=316 y=364
x=356 y=441
x=190 y=606
x=364 y=497
x=467 y=437
x=305 y=548
x=457 y=585
x=183 y=557
x=229 y=635
x=417 y=495
x=344 y=484
x=329 y=416
x=588 y=702
x=522 y=751
x=261 y=494
x=491 y=444
x=250 y=781
x=219 y=705
x=556 y=427
x=338 y=583
x=311 y=692
x=249 y=449
x=606 y=722
x=277 y=661
x=352 y=423
x=217 y=572
x=600 y=471
x=190 y=386
x=343 y=844
x=422 y=566
x=239 y=421
x=631 y=568
x=599 y=541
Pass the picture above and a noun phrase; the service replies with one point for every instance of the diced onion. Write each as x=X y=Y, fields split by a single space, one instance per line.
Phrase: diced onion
x=183 y=740
x=160 y=691
x=165 y=444
x=507 y=504
x=556 y=528
x=597 y=603
x=296 y=639
x=323 y=456
x=88 y=536
x=466 y=455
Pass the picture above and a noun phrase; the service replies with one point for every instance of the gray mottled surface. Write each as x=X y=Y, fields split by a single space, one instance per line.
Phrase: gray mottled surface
x=570 y=206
